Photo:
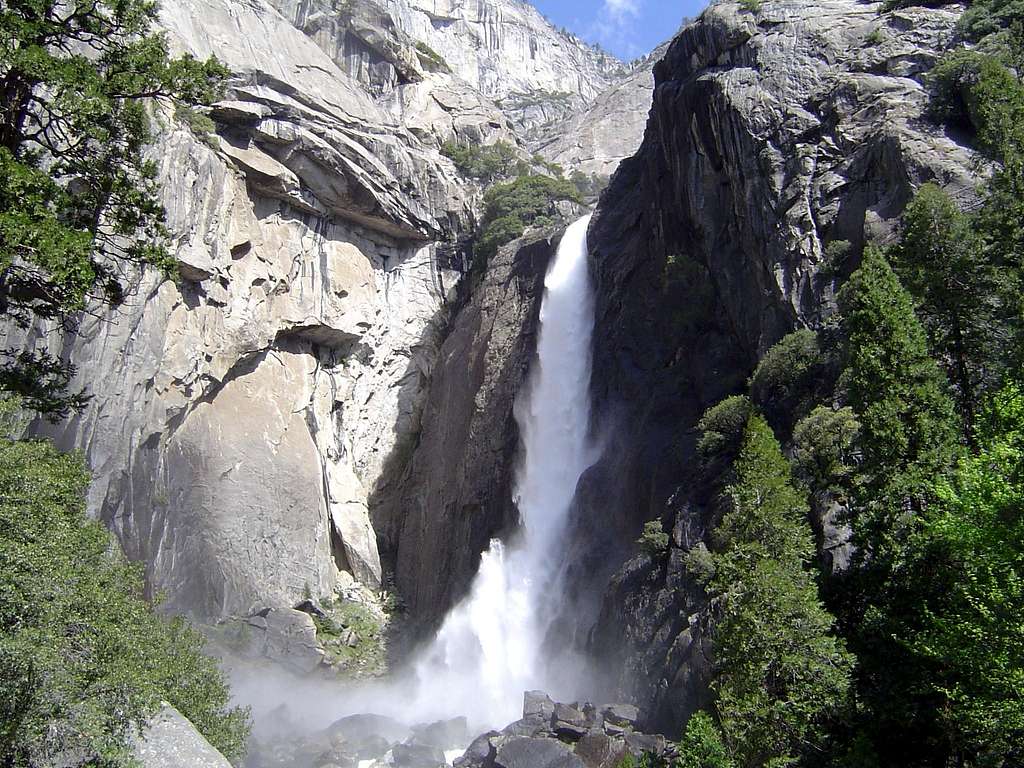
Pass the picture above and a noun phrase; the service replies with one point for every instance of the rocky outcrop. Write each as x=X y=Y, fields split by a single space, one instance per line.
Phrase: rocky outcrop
x=772 y=134
x=549 y=735
x=609 y=130
x=508 y=52
x=556 y=735
x=241 y=418
x=455 y=494
x=169 y=740
x=493 y=52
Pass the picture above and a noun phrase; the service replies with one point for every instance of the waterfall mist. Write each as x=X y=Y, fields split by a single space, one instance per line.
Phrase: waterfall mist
x=490 y=646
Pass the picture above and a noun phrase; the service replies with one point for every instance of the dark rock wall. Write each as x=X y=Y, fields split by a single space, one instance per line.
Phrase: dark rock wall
x=455 y=492
x=771 y=135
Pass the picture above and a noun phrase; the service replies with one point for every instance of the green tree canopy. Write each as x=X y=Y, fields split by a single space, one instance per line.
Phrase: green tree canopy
x=781 y=673
x=907 y=428
x=942 y=261
x=973 y=629
x=78 y=200
x=83 y=658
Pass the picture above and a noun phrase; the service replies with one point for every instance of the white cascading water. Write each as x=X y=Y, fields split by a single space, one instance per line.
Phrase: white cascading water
x=489 y=648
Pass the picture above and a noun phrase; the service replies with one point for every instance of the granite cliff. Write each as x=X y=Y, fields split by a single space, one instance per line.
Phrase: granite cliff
x=772 y=134
x=328 y=389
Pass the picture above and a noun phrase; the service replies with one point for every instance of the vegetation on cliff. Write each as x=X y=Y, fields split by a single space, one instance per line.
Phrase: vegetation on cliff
x=84 y=659
x=517 y=197
x=78 y=199
x=904 y=411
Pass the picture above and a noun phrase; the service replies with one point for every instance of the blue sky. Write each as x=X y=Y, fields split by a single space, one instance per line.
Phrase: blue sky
x=627 y=28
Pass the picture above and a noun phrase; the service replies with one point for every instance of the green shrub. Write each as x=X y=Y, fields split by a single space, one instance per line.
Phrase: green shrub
x=654 y=541
x=986 y=17
x=977 y=92
x=353 y=638
x=512 y=207
x=83 y=658
x=722 y=426
x=700 y=563
x=702 y=746
x=431 y=58
x=485 y=163
x=824 y=446
x=751 y=6
x=788 y=373
x=200 y=124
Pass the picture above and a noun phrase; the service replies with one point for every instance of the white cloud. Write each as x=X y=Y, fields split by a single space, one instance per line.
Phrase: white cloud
x=614 y=26
x=622 y=8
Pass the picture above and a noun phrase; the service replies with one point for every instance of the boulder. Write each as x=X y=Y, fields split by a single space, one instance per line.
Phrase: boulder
x=364 y=729
x=537 y=703
x=412 y=755
x=622 y=715
x=480 y=753
x=599 y=750
x=444 y=734
x=523 y=752
x=527 y=726
x=568 y=723
x=289 y=637
x=169 y=740
x=641 y=743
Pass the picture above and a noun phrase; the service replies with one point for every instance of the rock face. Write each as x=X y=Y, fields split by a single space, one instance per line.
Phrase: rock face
x=609 y=130
x=772 y=134
x=242 y=417
x=491 y=51
x=245 y=419
x=171 y=741
x=455 y=493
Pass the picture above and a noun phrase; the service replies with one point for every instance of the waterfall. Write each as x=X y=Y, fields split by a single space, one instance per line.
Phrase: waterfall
x=489 y=648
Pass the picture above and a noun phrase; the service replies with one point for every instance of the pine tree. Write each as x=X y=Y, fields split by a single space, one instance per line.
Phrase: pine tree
x=78 y=201
x=907 y=438
x=780 y=671
x=942 y=262
x=908 y=430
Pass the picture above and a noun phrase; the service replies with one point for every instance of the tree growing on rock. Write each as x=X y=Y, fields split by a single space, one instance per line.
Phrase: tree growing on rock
x=781 y=673
x=78 y=200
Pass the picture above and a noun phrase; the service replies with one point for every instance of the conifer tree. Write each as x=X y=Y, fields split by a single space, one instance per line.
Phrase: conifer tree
x=781 y=672
x=907 y=426
x=78 y=199
x=942 y=262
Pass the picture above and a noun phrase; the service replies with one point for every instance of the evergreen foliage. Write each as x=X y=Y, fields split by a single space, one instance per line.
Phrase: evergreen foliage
x=907 y=429
x=512 y=207
x=825 y=454
x=701 y=745
x=780 y=671
x=78 y=201
x=654 y=541
x=785 y=382
x=942 y=262
x=83 y=658
x=485 y=163
x=722 y=427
